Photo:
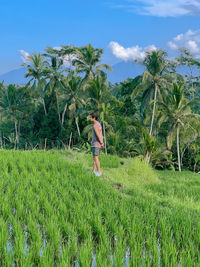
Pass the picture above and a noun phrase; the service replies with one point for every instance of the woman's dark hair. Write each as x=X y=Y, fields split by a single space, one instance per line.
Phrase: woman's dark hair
x=95 y=115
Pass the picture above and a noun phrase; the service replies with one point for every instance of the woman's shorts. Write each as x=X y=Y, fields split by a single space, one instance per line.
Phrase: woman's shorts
x=96 y=151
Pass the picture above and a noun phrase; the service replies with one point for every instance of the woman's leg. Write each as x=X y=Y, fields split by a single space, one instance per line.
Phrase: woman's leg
x=94 y=164
x=97 y=163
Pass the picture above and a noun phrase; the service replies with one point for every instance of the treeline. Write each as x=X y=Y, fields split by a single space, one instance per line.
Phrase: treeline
x=154 y=115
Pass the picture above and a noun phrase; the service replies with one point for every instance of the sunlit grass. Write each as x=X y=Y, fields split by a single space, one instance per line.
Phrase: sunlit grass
x=54 y=211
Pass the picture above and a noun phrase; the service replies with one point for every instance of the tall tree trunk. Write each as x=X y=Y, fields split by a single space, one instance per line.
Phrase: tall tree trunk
x=148 y=157
x=45 y=143
x=63 y=114
x=4 y=142
x=178 y=148
x=16 y=132
x=104 y=133
x=41 y=91
x=1 y=141
x=58 y=108
x=45 y=110
x=77 y=126
x=70 y=140
x=154 y=107
x=182 y=153
x=19 y=128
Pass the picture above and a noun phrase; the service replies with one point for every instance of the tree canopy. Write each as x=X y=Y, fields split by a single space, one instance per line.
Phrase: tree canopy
x=154 y=115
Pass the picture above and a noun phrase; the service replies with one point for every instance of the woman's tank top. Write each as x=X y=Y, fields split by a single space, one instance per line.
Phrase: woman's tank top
x=95 y=140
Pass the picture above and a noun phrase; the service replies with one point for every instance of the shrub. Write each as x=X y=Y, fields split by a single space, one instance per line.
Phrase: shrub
x=142 y=172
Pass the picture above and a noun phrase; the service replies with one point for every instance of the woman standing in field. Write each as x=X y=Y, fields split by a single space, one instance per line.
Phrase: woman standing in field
x=97 y=142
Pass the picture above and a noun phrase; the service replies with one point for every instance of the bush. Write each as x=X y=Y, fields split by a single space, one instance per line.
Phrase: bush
x=141 y=172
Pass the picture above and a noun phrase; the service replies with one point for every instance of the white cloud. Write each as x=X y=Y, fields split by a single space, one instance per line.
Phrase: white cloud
x=163 y=8
x=57 y=48
x=67 y=59
x=193 y=46
x=189 y=40
x=150 y=48
x=24 y=56
x=172 y=45
x=178 y=37
x=130 y=53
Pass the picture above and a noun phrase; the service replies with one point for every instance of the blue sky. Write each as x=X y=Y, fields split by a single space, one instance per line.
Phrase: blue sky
x=123 y=28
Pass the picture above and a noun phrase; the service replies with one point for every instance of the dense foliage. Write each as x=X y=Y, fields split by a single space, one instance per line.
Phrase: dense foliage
x=155 y=115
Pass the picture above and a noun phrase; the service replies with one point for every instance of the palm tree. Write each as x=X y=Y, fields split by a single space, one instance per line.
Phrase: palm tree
x=190 y=137
x=54 y=76
x=175 y=110
x=190 y=64
x=153 y=80
x=87 y=60
x=37 y=71
x=72 y=98
x=64 y=52
x=15 y=103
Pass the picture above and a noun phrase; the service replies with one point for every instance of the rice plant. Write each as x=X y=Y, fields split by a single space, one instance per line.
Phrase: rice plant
x=56 y=213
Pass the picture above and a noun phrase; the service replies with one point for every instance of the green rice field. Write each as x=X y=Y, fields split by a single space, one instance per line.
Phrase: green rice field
x=55 y=212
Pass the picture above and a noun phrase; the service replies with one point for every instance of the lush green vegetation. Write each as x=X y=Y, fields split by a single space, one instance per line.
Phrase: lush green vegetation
x=55 y=212
x=154 y=115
